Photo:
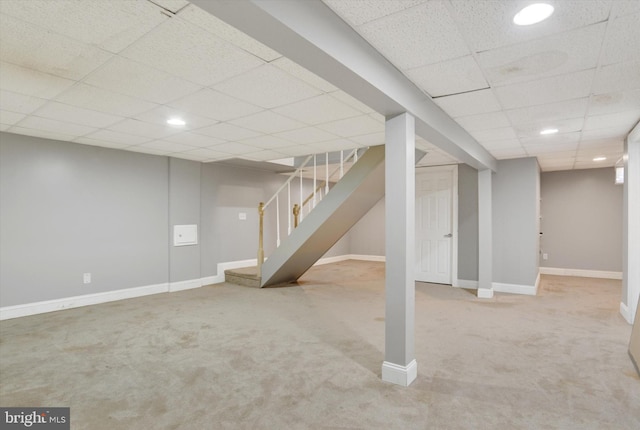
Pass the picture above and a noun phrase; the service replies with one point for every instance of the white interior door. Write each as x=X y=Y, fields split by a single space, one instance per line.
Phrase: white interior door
x=434 y=225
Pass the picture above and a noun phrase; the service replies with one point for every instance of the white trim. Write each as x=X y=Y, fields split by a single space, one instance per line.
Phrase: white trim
x=537 y=284
x=208 y=280
x=27 y=309
x=398 y=374
x=465 y=283
x=529 y=290
x=580 y=273
x=185 y=285
x=485 y=293
x=219 y=278
x=379 y=258
x=624 y=311
x=329 y=260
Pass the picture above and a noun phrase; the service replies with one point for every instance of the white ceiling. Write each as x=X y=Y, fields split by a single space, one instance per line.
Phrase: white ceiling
x=110 y=73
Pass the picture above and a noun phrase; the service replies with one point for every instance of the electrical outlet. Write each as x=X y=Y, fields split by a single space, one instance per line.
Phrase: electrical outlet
x=545 y=256
x=86 y=278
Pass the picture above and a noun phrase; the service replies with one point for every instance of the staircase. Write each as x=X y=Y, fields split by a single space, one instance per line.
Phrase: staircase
x=340 y=208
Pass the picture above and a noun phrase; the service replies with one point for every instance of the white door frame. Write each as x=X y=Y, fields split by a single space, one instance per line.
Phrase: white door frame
x=453 y=168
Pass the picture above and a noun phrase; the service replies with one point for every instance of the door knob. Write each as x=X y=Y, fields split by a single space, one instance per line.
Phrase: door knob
x=448 y=235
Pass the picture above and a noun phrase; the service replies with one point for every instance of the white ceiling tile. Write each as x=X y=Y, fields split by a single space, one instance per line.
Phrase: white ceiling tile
x=356 y=126
x=549 y=56
x=507 y=153
x=317 y=110
x=449 y=77
x=226 y=131
x=489 y=24
x=267 y=122
x=46 y=134
x=609 y=103
x=604 y=133
x=44 y=124
x=163 y=145
x=266 y=142
x=362 y=11
x=266 y=155
x=621 y=120
x=624 y=7
x=590 y=154
x=268 y=87
x=306 y=135
x=191 y=53
x=473 y=103
x=10 y=118
x=622 y=40
x=94 y=98
x=31 y=82
x=494 y=134
x=221 y=29
x=139 y=80
x=36 y=48
x=333 y=145
x=117 y=137
x=193 y=139
x=296 y=150
x=564 y=126
x=552 y=139
x=144 y=129
x=213 y=104
x=617 y=77
x=545 y=148
x=207 y=154
x=547 y=90
x=161 y=114
x=485 y=121
x=235 y=148
x=102 y=143
x=21 y=103
x=171 y=5
x=188 y=156
x=303 y=74
x=596 y=144
x=347 y=99
x=111 y=25
x=372 y=139
x=595 y=165
x=559 y=157
x=421 y=35
x=548 y=113
x=501 y=144
x=77 y=115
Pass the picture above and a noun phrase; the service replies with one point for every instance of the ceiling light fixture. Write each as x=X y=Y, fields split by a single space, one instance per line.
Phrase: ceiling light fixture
x=549 y=131
x=176 y=121
x=599 y=158
x=533 y=14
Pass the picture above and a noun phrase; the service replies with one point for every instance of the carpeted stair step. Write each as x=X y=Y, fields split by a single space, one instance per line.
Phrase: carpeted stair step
x=245 y=276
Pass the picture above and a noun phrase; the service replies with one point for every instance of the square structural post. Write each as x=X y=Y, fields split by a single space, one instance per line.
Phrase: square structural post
x=399 y=365
x=485 y=235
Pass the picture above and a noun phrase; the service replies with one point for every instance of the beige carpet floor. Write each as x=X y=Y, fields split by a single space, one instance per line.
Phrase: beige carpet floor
x=309 y=357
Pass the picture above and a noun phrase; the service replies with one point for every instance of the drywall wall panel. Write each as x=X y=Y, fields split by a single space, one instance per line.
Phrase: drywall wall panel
x=467 y=223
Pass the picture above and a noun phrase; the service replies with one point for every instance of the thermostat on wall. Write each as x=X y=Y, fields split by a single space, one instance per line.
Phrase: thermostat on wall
x=185 y=235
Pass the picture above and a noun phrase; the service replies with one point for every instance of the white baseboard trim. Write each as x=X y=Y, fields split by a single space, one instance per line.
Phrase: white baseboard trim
x=626 y=314
x=580 y=273
x=329 y=260
x=485 y=293
x=9 y=312
x=529 y=290
x=465 y=283
x=379 y=258
x=185 y=285
x=399 y=375
x=537 y=284
x=219 y=278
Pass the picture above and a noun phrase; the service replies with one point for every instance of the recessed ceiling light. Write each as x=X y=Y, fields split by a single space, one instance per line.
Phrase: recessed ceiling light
x=533 y=14
x=599 y=158
x=549 y=131
x=176 y=121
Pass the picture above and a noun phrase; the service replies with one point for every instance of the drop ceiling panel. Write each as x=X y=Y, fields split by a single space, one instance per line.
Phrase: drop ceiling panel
x=333 y=145
x=171 y=5
x=548 y=90
x=76 y=115
x=604 y=133
x=205 y=153
x=38 y=49
x=193 y=139
x=614 y=102
x=163 y=145
x=99 y=99
x=296 y=150
x=102 y=143
x=494 y=134
x=563 y=126
x=546 y=148
x=424 y=34
x=624 y=7
x=143 y=129
x=235 y=148
x=502 y=144
x=548 y=113
x=111 y=25
x=19 y=102
x=485 y=121
x=44 y=124
x=267 y=86
x=306 y=135
x=318 y=110
x=267 y=142
x=553 y=55
x=552 y=139
x=372 y=139
x=621 y=43
x=357 y=126
x=46 y=134
x=363 y=11
x=303 y=74
x=10 y=118
x=215 y=105
x=624 y=121
x=267 y=122
x=348 y=100
x=31 y=82
x=226 y=131
x=161 y=114
x=473 y=103
x=488 y=24
x=265 y=155
x=117 y=137
x=449 y=77
x=506 y=153
x=138 y=80
x=191 y=53
x=617 y=77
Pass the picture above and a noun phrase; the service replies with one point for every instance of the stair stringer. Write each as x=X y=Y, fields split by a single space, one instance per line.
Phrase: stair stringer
x=347 y=202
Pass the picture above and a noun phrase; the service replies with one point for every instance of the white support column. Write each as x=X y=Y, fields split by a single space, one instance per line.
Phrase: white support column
x=631 y=227
x=485 y=235
x=399 y=365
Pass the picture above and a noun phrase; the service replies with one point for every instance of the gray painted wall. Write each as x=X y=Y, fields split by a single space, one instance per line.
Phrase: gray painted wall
x=367 y=236
x=184 y=208
x=68 y=209
x=582 y=220
x=515 y=190
x=467 y=223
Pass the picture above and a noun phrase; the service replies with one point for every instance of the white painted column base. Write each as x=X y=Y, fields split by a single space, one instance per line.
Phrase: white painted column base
x=399 y=375
x=485 y=293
